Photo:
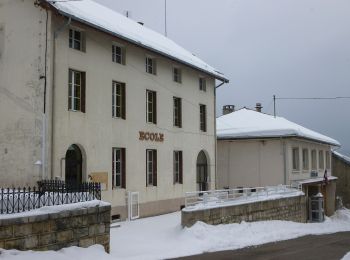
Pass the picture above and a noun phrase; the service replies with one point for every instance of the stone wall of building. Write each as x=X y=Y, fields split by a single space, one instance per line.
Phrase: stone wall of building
x=81 y=227
x=292 y=209
x=341 y=169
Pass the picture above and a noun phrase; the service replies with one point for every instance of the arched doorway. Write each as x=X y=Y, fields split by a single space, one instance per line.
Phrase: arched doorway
x=74 y=163
x=202 y=171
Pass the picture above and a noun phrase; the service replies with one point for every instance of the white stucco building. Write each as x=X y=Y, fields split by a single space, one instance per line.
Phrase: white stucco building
x=88 y=94
x=256 y=149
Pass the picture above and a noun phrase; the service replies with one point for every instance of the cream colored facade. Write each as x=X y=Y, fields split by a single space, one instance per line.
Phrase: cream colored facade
x=25 y=139
x=269 y=162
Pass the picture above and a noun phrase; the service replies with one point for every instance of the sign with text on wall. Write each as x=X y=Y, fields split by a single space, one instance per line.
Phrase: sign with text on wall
x=148 y=136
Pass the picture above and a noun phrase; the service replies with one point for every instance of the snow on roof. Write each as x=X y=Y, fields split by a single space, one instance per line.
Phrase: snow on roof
x=247 y=123
x=107 y=20
x=342 y=156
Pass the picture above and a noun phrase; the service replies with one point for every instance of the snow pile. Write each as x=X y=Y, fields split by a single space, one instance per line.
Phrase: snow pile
x=56 y=209
x=162 y=237
x=101 y=17
x=346 y=257
x=77 y=253
x=247 y=123
x=217 y=199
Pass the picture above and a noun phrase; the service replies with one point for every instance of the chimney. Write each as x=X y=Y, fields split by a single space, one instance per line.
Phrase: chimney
x=140 y=23
x=227 y=109
x=258 y=107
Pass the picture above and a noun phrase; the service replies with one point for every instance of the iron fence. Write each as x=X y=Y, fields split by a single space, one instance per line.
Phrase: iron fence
x=47 y=193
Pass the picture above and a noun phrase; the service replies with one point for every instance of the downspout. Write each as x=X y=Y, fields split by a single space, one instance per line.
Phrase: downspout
x=215 y=136
x=55 y=35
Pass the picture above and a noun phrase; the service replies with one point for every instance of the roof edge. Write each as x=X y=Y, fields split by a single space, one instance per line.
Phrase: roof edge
x=223 y=79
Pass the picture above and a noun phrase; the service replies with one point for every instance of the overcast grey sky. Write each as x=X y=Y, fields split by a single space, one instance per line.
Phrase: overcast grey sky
x=290 y=48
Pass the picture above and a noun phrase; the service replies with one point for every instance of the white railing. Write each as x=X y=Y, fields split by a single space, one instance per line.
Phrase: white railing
x=217 y=197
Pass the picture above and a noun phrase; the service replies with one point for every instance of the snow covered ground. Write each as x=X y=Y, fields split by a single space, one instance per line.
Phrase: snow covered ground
x=162 y=237
x=346 y=257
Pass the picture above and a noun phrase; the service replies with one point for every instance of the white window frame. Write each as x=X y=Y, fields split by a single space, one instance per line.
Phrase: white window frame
x=150 y=167
x=177 y=75
x=118 y=58
x=150 y=113
x=117 y=160
x=72 y=89
x=313 y=160
x=296 y=159
x=306 y=160
x=150 y=65
x=115 y=96
x=321 y=165
x=177 y=166
x=73 y=40
x=202 y=84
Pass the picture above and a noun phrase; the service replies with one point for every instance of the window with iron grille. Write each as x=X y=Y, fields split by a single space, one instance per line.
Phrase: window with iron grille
x=76 y=40
x=178 y=176
x=118 y=168
x=76 y=91
x=118 y=54
x=177 y=112
x=177 y=75
x=118 y=100
x=202 y=84
x=151 y=167
x=151 y=107
x=203 y=117
x=151 y=65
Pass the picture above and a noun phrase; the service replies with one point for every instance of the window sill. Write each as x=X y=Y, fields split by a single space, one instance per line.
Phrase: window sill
x=71 y=110
x=118 y=118
x=295 y=171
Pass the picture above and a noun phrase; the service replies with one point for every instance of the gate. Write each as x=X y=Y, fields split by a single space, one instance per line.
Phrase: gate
x=133 y=205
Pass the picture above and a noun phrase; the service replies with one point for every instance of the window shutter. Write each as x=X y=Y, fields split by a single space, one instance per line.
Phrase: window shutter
x=155 y=167
x=83 y=92
x=83 y=41
x=154 y=66
x=123 y=55
x=70 y=72
x=123 y=169
x=174 y=167
x=113 y=167
x=180 y=170
x=180 y=112
x=155 y=108
x=123 y=101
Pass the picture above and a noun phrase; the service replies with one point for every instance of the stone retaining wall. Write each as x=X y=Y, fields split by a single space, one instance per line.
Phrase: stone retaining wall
x=292 y=208
x=74 y=227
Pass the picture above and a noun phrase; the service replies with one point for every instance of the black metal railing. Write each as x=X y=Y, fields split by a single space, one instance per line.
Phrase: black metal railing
x=47 y=193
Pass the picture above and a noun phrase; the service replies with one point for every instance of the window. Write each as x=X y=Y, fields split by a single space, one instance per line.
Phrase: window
x=296 y=160
x=118 y=100
x=177 y=75
x=151 y=164
x=118 y=54
x=76 y=91
x=320 y=160
x=76 y=40
x=177 y=112
x=2 y=40
x=203 y=118
x=151 y=107
x=202 y=84
x=313 y=160
x=328 y=160
x=151 y=65
x=118 y=168
x=305 y=159
x=178 y=167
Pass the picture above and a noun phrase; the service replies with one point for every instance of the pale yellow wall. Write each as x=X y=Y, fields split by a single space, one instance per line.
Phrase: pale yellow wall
x=251 y=163
x=97 y=132
x=22 y=48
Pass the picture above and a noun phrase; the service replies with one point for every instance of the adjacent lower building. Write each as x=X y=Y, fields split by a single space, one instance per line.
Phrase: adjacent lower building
x=256 y=149
x=341 y=169
x=87 y=94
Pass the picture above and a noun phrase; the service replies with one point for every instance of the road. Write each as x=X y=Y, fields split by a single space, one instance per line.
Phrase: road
x=323 y=247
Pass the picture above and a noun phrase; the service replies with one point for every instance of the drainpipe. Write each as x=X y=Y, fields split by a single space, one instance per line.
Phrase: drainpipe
x=56 y=33
x=215 y=136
